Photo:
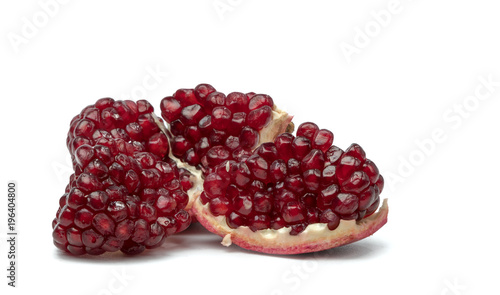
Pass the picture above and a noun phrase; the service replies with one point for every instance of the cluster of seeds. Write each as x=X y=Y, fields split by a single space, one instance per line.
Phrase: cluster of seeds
x=208 y=126
x=294 y=182
x=126 y=193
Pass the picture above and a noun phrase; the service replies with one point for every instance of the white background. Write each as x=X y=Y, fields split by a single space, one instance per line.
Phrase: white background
x=412 y=67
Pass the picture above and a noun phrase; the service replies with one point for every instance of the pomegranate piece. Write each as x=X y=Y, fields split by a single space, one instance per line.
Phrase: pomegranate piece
x=126 y=193
x=295 y=186
x=211 y=127
x=263 y=165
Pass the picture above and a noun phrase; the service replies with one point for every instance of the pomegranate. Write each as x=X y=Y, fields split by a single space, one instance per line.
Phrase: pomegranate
x=230 y=161
x=126 y=193
x=265 y=189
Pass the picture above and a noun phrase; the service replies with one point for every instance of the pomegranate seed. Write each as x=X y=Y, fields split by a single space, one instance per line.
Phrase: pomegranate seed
x=104 y=103
x=97 y=200
x=180 y=145
x=221 y=117
x=243 y=204
x=237 y=102
x=333 y=154
x=259 y=222
x=262 y=202
x=192 y=114
x=242 y=175
x=297 y=229
x=186 y=96
x=293 y=166
x=217 y=137
x=103 y=224
x=112 y=244
x=117 y=210
x=346 y=167
x=217 y=155
x=74 y=237
x=278 y=170
x=346 y=204
x=66 y=216
x=92 y=239
x=313 y=160
x=97 y=168
x=371 y=170
x=84 y=154
x=158 y=144
x=308 y=130
x=356 y=151
x=215 y=99
x=328 y=176
x=76 y=198
x=215 y=185
x=293 y=212
x=259 y=118
x=327 y=196
x=366 y=198
x=143 y=106
x=234 y=220
x=219 y=206
x=323 y=140
x=356 y=183
x=380 y=183
x=192 y=133
x=177 y=127
x=258 y=166
x=148 y=125
x=238 y=121
x=284 y=146
x=124 y=229
x=312 y=179
x=260 y=100
x=202 y=91
x=330 y=218
x=301 y=147
x=249 y=137
x=295 y=183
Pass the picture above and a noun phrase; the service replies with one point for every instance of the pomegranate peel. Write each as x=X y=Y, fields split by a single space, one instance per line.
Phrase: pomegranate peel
x=316 y=237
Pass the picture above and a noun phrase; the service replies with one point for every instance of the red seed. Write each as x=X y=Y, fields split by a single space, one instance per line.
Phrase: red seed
x=237 y=102
x=308 y=130
x=260 y=100
x=323 y=140
x=259 y=118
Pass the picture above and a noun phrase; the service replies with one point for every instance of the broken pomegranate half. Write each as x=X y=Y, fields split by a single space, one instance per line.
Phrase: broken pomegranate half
x=126 y=193
x=264 y=189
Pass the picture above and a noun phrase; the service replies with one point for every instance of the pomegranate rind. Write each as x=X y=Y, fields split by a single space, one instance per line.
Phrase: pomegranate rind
x=316 y=237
